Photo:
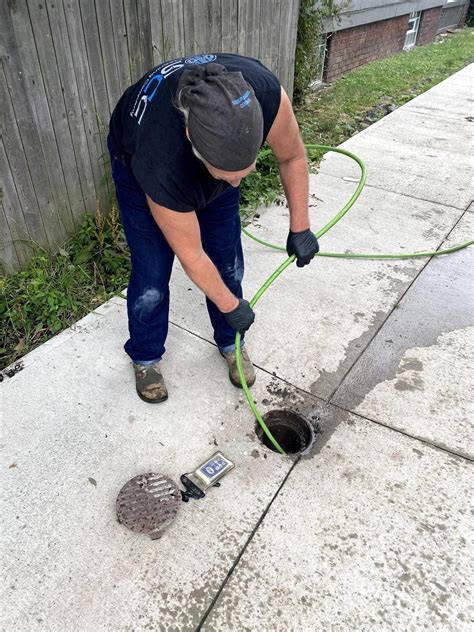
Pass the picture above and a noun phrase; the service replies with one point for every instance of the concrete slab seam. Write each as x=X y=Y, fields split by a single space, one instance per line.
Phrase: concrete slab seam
x=258 y=366
x=414 y=197
x=245 y=546
x=193 y=333
x=343 y=409
x=426 y=442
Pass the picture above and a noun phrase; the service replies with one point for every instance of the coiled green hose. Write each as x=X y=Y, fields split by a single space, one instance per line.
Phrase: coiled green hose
x=291 y=259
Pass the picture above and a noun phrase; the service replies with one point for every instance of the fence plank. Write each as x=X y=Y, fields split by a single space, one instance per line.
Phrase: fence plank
x=214 y=44
x=31 y=111
x=249 y=27
x=194 y=26
x=18 y=169
x=9 y=260
x=120 y=39
x=106 y=35
x=156 y=30
x=135 y=53
x=16 y=249
x=269 y=34
x=287 y=42
x=146 y=39
x=173 y=28
x=72 y=100
x=90 y=29
x=84 y=87
x=57 y=109
x=229 y=26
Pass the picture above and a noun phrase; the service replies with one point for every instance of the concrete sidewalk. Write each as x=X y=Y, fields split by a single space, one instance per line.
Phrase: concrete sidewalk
x=369 y=532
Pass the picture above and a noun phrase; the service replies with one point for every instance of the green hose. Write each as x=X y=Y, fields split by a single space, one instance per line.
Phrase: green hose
x=290 y=260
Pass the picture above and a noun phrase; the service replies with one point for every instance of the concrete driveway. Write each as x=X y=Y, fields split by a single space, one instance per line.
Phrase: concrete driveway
x=372 y=530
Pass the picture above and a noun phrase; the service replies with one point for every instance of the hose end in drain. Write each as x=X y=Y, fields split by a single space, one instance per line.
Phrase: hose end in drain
x=292 y=431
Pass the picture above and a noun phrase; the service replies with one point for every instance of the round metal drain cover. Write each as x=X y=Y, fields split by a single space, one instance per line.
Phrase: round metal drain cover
x=148 y=504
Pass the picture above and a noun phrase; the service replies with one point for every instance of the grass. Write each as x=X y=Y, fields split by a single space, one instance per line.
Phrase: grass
x=54 y=291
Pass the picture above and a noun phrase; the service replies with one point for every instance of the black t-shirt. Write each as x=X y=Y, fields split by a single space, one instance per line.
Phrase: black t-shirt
x=148 y=130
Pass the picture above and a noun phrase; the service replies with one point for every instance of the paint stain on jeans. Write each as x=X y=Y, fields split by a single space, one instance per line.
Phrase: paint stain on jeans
x=147 y=302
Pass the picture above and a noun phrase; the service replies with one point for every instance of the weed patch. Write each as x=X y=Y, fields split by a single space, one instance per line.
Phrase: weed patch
x=54 y=291
x=262 y=186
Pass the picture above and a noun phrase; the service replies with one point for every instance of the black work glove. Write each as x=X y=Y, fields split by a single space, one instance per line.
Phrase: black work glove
x=303 y=244
x=241 y=317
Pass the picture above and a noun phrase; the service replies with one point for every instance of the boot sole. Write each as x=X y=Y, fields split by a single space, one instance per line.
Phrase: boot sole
x=239 y=384
x=151 y=401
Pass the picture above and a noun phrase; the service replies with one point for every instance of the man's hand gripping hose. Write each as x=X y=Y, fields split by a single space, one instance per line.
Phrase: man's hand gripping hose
x=241 y=317
x=303 y=245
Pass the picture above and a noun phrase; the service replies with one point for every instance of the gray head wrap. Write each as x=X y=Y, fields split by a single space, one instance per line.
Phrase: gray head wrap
x=225 y=122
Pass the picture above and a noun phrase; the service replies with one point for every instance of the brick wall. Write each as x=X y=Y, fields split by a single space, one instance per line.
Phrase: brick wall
x=351 y=48
x=428 y=26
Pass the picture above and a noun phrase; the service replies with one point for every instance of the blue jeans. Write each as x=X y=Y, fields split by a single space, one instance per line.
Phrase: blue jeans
x=152 y=261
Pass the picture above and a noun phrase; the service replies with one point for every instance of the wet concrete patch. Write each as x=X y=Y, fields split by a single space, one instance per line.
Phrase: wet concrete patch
x=328 y=381
x=439 y=302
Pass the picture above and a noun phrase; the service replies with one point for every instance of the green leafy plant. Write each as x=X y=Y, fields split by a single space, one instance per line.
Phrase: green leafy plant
x=262 y=186
x=311 y=20
x=54 y=291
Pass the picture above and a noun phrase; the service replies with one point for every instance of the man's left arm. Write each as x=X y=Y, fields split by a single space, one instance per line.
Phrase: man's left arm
x=285 y=141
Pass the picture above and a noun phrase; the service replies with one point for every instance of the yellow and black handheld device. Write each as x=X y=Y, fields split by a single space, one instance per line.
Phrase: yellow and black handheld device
x=206 y=475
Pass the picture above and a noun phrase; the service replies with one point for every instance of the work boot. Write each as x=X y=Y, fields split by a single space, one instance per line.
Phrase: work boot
x=247 y=367
x=150 y=383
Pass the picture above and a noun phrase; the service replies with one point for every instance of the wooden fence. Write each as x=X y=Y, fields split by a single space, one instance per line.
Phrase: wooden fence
x=64 y=66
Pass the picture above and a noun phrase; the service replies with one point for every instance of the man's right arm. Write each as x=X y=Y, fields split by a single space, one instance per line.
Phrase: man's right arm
x=183 y=234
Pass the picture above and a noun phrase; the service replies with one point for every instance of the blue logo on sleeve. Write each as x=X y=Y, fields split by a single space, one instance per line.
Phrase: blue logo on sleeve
x=157 y=76
x=155 y=79
x=243 y=100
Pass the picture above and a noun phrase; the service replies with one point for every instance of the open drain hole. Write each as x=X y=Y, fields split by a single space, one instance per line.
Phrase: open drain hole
x=294 y=434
